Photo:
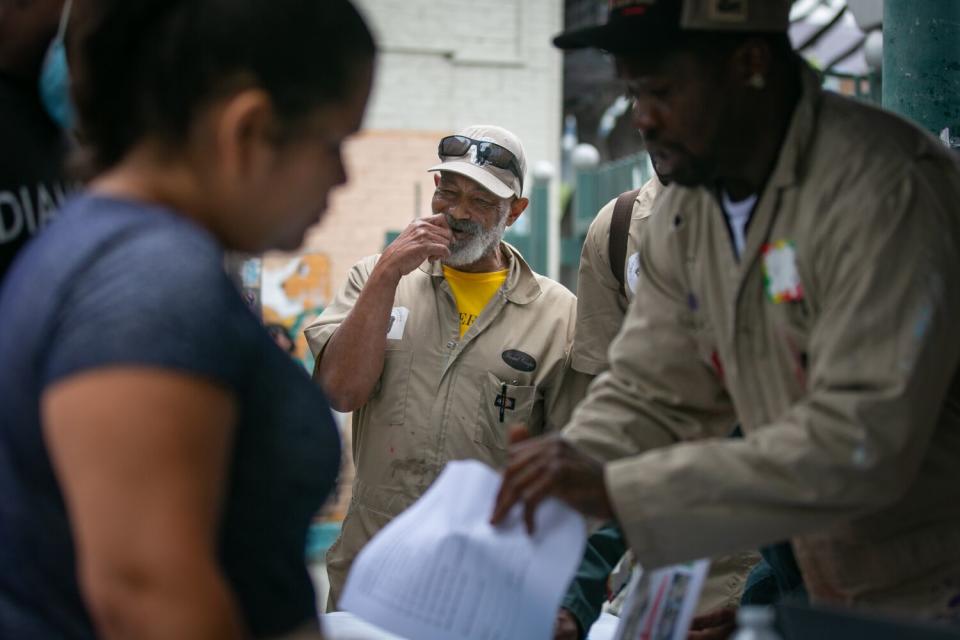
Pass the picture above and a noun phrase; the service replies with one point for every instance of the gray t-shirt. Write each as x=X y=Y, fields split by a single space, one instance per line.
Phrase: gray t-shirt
x=115 y=283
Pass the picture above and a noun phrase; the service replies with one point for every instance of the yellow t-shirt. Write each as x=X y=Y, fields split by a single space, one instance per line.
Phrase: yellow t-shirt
x=472 y=292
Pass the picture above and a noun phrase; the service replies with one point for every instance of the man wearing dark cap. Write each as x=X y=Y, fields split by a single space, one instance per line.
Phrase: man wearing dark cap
x=445 y=339
x=602 y=302
x=799 y=276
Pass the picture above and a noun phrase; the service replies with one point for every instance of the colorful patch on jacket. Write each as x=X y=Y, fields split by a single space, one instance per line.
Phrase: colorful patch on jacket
x=780 y=275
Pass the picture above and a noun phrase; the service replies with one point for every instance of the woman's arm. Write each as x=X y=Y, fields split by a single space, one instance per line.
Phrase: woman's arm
x=141 y=455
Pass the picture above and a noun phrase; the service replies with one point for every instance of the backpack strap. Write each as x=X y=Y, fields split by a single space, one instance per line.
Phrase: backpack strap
x=619 y=233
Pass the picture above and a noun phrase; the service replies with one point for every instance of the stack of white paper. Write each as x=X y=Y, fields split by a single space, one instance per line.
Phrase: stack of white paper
x=440 y=571
x=605 y=628
x=342 y=625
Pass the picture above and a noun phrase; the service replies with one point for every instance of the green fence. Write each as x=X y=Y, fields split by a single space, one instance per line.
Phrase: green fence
x=529 y=234
x=594 y=188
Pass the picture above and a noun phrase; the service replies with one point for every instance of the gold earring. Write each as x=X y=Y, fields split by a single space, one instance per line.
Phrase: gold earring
x=757 y=81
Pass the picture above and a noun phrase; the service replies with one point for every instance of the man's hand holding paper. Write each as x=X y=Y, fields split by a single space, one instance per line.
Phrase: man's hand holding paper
x=549 y=466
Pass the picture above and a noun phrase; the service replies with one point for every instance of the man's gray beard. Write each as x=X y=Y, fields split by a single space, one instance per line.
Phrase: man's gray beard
x=476 y=246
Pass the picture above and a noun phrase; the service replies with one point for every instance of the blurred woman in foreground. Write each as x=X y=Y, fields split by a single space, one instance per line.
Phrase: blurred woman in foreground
x=160 y=457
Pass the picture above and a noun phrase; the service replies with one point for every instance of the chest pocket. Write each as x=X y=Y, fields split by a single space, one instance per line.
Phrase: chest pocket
x=502 y=405
x=389 y=402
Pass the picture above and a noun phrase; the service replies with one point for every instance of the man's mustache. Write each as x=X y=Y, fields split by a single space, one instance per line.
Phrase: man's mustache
x=463 y=226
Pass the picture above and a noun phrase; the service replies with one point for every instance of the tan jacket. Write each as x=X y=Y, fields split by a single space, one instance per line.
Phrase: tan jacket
x=600 y=313
x=846 y=388
x=440 y=397
x=600 y=305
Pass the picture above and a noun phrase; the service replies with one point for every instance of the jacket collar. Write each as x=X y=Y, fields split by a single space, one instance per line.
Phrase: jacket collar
x=799 y=138
x=521 y=286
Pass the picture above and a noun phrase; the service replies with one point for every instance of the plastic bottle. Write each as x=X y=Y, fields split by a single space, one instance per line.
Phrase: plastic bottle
x=755 y=623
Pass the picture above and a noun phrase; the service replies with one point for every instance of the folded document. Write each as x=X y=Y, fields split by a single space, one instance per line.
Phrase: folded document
x=440 y=571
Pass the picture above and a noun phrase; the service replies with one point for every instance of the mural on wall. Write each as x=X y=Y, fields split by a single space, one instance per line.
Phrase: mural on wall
x=293 y=291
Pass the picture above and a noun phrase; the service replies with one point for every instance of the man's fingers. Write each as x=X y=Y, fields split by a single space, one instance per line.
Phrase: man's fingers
x=440 y=228
x=425 y=230
x=534 y=494
x=437 y=219
x=519 y=477
x=515 y=482
x=429 y=233
x=506 y=498
x=529 y=461
x=526 y=472
x=535 y=452
x=437 y=224
x=438 y=250
x=432 y=251
x=722 y=632
x=566 y=627
x=714 y=625
x=714 y=618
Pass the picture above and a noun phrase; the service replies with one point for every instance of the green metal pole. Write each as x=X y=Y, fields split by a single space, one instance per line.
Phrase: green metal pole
x=921 y=61
x=540 y=225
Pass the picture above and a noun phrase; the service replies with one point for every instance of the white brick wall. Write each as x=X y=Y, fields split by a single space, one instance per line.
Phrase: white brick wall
x=445 y=64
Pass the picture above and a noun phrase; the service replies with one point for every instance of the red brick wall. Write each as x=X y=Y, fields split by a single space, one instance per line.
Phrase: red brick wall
x=384 y=169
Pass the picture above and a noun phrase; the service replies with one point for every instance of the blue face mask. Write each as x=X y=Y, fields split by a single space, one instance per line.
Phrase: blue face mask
x=54 y=81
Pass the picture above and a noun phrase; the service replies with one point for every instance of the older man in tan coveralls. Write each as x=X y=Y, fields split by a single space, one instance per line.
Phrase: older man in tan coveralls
x=824 y=320
x=443 y=341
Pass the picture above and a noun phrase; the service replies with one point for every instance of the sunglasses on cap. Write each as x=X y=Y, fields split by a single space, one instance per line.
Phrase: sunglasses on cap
x=487 y=153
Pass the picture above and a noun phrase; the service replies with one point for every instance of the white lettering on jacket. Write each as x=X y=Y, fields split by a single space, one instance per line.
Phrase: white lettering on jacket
x=25 y=211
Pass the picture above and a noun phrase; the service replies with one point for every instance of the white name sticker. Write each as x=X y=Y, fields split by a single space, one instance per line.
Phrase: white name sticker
x=633 y=272
x=398 y=320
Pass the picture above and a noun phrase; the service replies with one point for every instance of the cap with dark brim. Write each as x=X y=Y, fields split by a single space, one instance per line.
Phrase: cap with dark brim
x=642 y=28
x=615 y=38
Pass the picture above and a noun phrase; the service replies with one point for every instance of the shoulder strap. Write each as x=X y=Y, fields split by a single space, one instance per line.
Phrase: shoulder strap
x=619 y=232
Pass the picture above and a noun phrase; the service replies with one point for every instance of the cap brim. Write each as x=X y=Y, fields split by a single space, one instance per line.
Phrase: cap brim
x=486 y=180
x=645 y=29
x=615 y=38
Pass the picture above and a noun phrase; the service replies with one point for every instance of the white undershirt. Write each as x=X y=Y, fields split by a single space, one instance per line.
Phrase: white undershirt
x=738 y=213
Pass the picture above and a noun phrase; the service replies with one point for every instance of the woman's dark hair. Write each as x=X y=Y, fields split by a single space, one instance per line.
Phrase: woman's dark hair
x=145 y=67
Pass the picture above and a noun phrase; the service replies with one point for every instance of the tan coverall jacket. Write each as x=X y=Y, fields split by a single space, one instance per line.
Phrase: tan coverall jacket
x=846 y=387
x=441 y=397
x=600 y=305
x=601 y=309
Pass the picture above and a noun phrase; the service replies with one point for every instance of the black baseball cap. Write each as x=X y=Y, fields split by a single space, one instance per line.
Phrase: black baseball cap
x=644 y=25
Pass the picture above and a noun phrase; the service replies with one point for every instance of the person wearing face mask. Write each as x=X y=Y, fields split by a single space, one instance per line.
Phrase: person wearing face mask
x=441 y=342
x=34 y=107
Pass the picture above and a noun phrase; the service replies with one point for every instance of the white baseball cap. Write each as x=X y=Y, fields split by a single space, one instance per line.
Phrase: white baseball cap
x=500 y=173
